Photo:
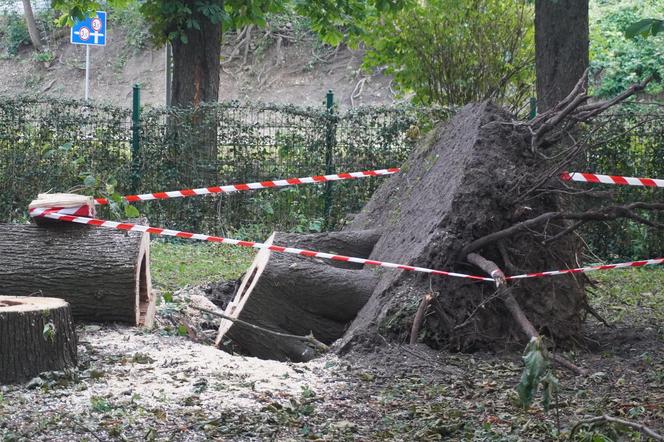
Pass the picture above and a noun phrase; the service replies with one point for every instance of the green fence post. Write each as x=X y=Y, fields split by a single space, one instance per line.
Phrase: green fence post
x=135 y=138
x=330 y=141
x=533 y=108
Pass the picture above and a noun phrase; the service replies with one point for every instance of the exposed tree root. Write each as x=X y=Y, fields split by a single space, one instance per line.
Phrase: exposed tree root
x=514 y=308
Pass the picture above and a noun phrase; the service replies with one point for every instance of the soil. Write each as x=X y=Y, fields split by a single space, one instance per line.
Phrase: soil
x=134 y=384
x=298 y=73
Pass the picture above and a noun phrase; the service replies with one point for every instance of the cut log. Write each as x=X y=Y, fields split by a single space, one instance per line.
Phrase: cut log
x=36 y=335
x=103 y=274
x=294 y=295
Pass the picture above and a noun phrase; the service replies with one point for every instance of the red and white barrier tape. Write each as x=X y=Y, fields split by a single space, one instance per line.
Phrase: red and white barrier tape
x=53 y=214
x=611 y=179
x=566 y=176
x=647 y=262
x=253 y=186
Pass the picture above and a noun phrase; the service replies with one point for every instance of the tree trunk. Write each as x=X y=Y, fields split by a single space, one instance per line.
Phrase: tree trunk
x=196 y=70
x=561 y=48
x=295 y=295
x=357 y=243
x=103 y=274
x=36 y=335
x=196 y=65
x=461 y=183
x=32 y=26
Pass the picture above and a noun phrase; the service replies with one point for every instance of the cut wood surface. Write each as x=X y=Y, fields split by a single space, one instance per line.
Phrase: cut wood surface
x=36 y=335
x=295 y=295
x=103 y=274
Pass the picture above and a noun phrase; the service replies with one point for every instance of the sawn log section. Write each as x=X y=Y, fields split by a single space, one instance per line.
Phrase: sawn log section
x=103 y=274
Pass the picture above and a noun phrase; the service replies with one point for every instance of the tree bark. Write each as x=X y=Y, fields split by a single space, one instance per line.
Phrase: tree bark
x=103 y=274
x=561 y=48
x=357 y=243
x=32 y=25
x=196 y=65
x=295 y=295
x=36 y=335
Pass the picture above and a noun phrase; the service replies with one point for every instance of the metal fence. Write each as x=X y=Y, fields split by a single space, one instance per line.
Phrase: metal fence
x=53 y=145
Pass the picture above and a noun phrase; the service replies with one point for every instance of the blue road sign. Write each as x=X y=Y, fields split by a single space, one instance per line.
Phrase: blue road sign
x=91 y=31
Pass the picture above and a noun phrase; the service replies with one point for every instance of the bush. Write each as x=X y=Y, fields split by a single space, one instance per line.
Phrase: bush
x=13 y=33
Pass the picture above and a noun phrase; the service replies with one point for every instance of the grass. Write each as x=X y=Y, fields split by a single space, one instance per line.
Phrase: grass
x=175 y=265
x=635 y=295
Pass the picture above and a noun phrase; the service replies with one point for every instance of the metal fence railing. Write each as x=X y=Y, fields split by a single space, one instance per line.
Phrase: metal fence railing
x=52 y=145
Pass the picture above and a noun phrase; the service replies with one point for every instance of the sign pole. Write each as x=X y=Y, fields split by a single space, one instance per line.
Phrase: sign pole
x=87 y=72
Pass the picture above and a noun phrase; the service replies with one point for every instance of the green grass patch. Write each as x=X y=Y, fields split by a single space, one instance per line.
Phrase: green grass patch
x=635 y=294
x=176 y=265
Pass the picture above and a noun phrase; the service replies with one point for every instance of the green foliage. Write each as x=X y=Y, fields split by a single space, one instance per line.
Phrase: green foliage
x=645 y=27
x=43 y=57
x=100 y=404
x=618 y=61
x=49 y=331
x=13 y=33
x=132 y=25
x=630 y=142
x=536 y=372
x=452 y=52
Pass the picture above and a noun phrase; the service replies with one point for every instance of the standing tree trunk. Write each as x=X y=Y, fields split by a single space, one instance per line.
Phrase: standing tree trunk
x=32 y=25
x=36 y=335
x=561 y=48
x=196 y=65
x=195 y=81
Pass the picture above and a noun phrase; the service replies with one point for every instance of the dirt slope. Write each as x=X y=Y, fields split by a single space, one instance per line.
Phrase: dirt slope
x=296 y=72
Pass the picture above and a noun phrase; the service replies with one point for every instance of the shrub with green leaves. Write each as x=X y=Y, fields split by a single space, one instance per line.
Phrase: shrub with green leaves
x=453 y=52
x=13 y=33
x=618 y=61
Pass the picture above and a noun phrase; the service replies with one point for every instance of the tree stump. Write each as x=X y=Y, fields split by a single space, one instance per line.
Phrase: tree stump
x=36 y=335
x=298 y=295
x=103 y=274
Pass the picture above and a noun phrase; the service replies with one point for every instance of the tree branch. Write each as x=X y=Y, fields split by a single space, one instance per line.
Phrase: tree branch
x=309 y=338
x=608 y=419
x=608 y=213
x=514 y=308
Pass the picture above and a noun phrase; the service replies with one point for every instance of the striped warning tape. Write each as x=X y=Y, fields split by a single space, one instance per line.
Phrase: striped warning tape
x=253 y=186
x=611 y=179
x=646 y=262
x=230 y=188
x=54 y=214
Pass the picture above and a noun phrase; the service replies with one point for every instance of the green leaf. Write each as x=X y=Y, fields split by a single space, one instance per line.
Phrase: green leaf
x=131 y=212
x=167 y=296
x=645 y=27
x=182 y=330
x=90 y=181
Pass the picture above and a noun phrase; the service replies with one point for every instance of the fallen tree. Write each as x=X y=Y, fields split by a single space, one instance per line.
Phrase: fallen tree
x=481 y=193
x=36 y=335
x=485 y=183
